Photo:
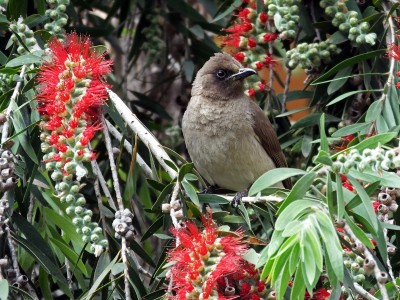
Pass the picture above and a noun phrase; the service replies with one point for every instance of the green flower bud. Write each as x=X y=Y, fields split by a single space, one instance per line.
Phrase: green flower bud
x=81 y=201
x=74 y=189
x=70 y=199
x=355 y=266
x=85 y=239
x=56 y=176
x=70 y=210
x=359 y=278
x=79 y=210
x=87 y=219
x=94 y=238
x=86 y=230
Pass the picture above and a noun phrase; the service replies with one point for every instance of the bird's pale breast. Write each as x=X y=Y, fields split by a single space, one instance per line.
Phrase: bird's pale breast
x=222 y=144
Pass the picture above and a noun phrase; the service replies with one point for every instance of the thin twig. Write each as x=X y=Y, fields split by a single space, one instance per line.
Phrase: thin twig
x=143 y=133
x=6 y=125
x=103 y=184
x=128 y=147
x=120 y=204
x=103 y=221
x=362 y=292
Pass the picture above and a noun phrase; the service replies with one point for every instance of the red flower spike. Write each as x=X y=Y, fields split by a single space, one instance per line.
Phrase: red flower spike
x=71 y=91
x=263 y=17
x=270 y=37
x=251 y=43
x=240 y=57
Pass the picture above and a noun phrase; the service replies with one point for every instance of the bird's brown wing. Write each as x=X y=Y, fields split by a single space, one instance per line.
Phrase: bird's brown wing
x=268 y=139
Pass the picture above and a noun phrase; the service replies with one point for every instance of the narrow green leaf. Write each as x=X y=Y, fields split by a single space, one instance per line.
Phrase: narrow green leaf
x=339 y=197
x=186 y=168
x=26 y=59
x=299 y=287
x=350 y=129
x=42 y=259
x=367 y=203
x=292 y=211
x=153 y=228
x=272 y=177
x=359 y=233
x=324 y=140
x=298 y=191
x=71 y=255
x=389 y=179
x=341 y=78
x=348 y=94
x=191 y=192
x=374 y=110
x=374 y=141
x=349 y=62
x=4 y=289
x=100 y=278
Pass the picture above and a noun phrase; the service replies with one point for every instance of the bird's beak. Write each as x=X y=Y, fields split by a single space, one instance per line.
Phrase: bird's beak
x=243 y=73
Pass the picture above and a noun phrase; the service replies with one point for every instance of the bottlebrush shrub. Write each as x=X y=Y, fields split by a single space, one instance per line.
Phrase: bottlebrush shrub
x=207 y=266
x=70 y=93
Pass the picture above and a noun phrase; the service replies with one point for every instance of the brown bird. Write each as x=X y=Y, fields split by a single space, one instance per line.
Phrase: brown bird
x=230 y=140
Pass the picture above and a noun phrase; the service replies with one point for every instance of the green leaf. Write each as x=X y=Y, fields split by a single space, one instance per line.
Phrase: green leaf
x=4 y=290
x=272 y=177
x=389 y=179
x=311 y=120
x=324 y=140
x=186 y=168
x=374 y=141
x=291 y=212
x=26 y=59
x=298 y=191
x=214 y=199
x=228 y=11
x=374 y=110
x=96 y=285
x=349 y=62
x=298 y=288
x=359 y=233
x=191 y=192
x=339 y=197
x=42 y=259
x=340 y=80
x=73 y=257
x=348 y=94
x=153 y=228
x=350 y=129
x=367 y=203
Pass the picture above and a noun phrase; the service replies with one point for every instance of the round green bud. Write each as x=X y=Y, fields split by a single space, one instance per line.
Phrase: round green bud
x=81 y=201
x=353 y=31
x=50 y=166
x=70 y=167
x=70 y=198
x=78 y=210
x=355 y=266
x=360 y=40
x=345 y=27
x=364 y=27
x=85 y=239
x=86 y=230
x=359 y=278
x=74 y=189
x=70 y=210
x=53 y=14
x=77 y=221
x=347 y=263
x=353 y=14
x=87 y=219
x=353 y=22
x=94 y=238
x=56 y=176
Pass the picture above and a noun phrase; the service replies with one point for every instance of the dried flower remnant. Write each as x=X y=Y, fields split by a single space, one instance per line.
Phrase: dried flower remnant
x=71 y=91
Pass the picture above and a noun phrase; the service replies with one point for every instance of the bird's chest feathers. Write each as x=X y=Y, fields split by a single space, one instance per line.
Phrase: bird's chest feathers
x=226 y=119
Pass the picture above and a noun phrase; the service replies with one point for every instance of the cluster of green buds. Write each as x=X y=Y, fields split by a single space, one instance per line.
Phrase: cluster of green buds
x=348 y=22
x=27 y=41
x=377 y=160
x=56 y=12
x=122 y=225
x=357 y=265
x=153 y=43
x=6 y=81
x=7 y=168
x=311 y=56
x=286 y=16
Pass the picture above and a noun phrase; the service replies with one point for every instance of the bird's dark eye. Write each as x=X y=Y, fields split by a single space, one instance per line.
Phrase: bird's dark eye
x=221 y=74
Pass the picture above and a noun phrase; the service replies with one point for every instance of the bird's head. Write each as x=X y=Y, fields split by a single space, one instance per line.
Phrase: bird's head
x=221 y=77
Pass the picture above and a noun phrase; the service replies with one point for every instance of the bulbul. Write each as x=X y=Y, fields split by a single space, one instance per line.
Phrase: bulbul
x=229 y=139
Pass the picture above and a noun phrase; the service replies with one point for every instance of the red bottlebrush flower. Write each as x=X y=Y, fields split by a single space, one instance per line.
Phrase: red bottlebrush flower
x=202 y=259
x=394 y=51
x=269 y=61
x=320 y=294
x=270 y=37
x=349 y=138
x=348 y=186
x=243 y=13
x=376 y=204
x=263 y=17
x=251 y=43
x=251 y=92
x=71 y=90
x=240 y=57
x=259 y=65
x=261 y=86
